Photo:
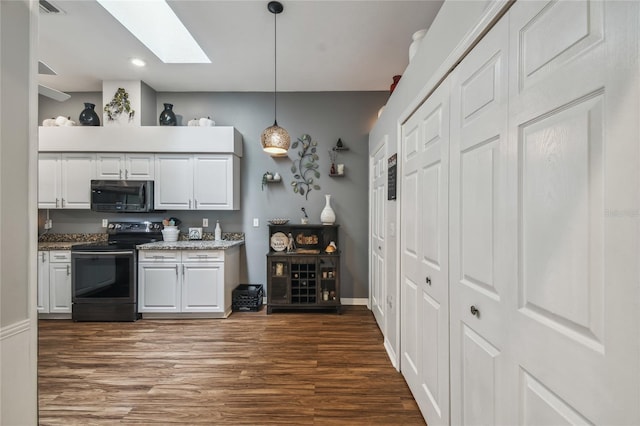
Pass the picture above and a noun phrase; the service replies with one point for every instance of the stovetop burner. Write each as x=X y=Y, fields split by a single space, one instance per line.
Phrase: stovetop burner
x=125 y=236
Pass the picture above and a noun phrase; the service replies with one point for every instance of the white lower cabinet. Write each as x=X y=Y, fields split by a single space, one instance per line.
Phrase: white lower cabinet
x=43 y=282
x=187 y=281
x=54 y=282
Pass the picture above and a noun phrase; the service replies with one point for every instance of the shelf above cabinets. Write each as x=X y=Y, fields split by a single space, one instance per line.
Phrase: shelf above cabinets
x=153 y=139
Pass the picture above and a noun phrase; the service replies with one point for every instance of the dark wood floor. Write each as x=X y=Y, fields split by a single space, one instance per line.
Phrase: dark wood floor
x=284 y=368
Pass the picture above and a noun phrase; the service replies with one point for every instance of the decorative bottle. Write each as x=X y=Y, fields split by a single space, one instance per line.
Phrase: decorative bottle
x=218 y=232
x=327 y=216
x=167 y=116
x=88 y=116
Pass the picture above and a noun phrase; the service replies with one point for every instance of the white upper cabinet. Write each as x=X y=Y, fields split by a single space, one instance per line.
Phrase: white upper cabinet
x=174 y=182
x=64 y=180
x=197 y=182
x=216 y=182
x=194 y=168
x=116 y=166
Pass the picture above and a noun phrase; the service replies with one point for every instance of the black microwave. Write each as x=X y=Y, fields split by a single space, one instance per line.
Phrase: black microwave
x=127 y=196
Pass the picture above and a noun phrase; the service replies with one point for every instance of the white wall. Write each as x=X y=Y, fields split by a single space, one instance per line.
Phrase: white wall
x=18 y=322
x=454 y=25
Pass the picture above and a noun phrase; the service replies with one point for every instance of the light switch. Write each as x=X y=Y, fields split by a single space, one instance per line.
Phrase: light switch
x=256 y=222
x=205 y=222
x=105 y=223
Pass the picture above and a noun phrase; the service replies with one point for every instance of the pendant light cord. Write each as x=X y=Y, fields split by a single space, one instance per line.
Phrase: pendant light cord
x=275 y=69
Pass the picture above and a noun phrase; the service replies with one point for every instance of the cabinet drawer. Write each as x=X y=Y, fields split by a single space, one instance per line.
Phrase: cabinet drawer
x=59 y=256
x=158 y=255
x=202 y=255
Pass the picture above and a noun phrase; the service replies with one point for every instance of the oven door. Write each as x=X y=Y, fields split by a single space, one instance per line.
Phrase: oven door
x=103 y=276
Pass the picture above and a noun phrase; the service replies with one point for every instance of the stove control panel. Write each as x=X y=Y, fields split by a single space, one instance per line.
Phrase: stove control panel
x=125 y=227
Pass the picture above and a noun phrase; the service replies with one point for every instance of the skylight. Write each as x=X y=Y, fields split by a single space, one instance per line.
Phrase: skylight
x=155 y=24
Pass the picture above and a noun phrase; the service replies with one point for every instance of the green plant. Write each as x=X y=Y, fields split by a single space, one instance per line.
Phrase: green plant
x=305 y=168
x=265 y=178
x=119 y=104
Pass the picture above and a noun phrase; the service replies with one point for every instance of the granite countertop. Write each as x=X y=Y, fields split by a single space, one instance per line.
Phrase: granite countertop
x=60 y=245
x=190 y=245
x=65 y=241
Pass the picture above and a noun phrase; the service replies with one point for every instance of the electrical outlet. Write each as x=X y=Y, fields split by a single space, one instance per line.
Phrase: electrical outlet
x=105 y=223
x=48 y=224
x=205 y=222
x=256 y=222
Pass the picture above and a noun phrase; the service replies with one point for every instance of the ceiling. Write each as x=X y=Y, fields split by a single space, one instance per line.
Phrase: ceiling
x=323 y=45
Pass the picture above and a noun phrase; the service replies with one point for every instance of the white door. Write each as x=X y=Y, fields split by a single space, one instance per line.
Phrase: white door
x=202 y=287
x=60 y=288
x=49 y=190
x=159 y=287
x=43 y=282
x=573 y=216
x=174 y=182
x=139 y=167
x=77 y=172
x=213 y=182
x=110 y=166
x=378 y=190
x=479 y=287
x=424 y=260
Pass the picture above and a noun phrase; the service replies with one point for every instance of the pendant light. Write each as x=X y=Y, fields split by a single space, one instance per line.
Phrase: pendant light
x=275 y=139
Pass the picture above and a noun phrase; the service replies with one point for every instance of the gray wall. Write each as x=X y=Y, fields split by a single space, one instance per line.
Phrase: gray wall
x=325 y=116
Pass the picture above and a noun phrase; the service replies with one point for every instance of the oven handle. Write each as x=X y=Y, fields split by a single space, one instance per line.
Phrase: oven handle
x=102 y=252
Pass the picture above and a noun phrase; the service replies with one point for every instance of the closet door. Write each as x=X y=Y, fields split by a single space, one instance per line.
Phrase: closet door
x=424 y=264
x=378 y=168
x=575 y=200
x=479 y=287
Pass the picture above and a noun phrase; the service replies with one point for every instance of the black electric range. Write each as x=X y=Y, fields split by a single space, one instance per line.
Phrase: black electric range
x=104 y=274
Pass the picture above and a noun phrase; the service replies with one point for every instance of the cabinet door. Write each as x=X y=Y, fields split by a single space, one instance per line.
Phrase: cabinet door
x=214 y=182
x=278 y=280
x=573 y=211
x=480 y=291
x=60 y=287
x=174 y=182
x=424 y=256
x=203 y=287
x=158 y=287
x=139 y=167
x=110 y=166
x=43 y=282
x=377 y=238
x=77 y=172
x=49 y=191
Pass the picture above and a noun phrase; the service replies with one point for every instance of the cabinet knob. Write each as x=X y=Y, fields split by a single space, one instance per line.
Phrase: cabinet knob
x=68 y=270
x=428 y=280
x=57 y=202
x=126 y=174
x=474 y=311
x=120 y=174
x=63 y=202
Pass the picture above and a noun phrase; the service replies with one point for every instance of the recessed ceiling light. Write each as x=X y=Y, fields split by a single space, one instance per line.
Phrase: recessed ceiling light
x=156 y=25
x=138 y=62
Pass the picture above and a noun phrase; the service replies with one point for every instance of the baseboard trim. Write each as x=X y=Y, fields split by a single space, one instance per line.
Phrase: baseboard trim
x=354 y=301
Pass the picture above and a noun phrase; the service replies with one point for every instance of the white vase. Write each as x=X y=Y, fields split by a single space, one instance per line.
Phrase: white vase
x=327 y=216
x=417 y=38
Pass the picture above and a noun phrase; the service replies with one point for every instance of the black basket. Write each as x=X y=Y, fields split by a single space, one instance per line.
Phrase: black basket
x=247 y=298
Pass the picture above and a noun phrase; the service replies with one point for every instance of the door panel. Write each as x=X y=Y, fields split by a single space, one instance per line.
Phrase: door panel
x=478 y=284
x=573 y=137
x=424 y=260
x=378 y=225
